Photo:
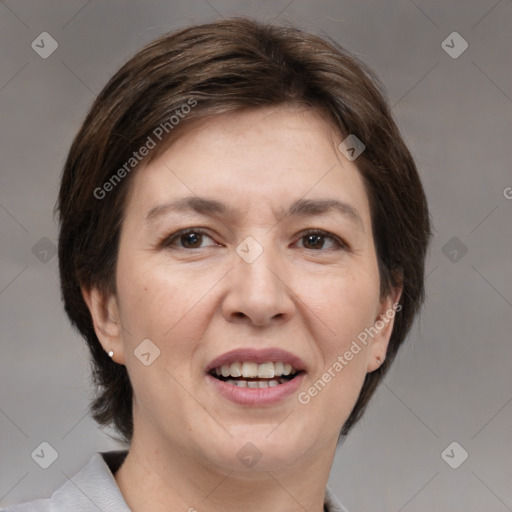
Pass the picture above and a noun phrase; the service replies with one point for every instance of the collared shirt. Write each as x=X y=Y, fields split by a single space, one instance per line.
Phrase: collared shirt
x=94 y=489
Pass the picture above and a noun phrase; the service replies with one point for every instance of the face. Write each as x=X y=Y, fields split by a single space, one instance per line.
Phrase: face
x=249 y=241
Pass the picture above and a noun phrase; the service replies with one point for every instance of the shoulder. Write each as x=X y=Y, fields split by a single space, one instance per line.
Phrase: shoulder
x=93 y=488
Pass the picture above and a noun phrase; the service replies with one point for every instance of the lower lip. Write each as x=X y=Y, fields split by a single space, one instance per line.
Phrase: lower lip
x=256 y=396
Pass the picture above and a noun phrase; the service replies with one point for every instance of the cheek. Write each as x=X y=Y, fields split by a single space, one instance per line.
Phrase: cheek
x=162 y=305
x=345 y=302
x=160 y=302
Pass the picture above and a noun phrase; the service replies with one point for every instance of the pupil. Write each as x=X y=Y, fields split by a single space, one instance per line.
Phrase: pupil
x=190 y=239
x=315 y=240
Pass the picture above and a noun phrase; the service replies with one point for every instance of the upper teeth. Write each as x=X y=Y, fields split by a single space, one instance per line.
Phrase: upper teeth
x=252 y=370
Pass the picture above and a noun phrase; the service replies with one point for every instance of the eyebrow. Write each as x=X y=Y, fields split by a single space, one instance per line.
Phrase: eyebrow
x=214 y=208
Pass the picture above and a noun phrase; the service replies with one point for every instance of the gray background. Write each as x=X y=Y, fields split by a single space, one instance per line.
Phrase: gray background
x=451 y=382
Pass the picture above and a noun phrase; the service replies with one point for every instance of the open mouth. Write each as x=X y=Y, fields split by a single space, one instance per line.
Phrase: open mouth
x=242 y=382
x=254 y=375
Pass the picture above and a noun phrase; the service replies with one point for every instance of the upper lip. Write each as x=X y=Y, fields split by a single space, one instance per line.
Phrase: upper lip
x=257 y=356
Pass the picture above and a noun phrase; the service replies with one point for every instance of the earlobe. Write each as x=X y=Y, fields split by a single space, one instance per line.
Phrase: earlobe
x=383 y=328
x=105 y=316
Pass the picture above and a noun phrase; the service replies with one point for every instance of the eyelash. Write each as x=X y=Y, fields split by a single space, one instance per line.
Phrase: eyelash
x=167 y=242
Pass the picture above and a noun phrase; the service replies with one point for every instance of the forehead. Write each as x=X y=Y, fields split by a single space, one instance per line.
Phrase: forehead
x=254 y=159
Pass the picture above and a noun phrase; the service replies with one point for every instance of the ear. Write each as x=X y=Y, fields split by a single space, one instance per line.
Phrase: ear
x=105 y=316
x=382 y=328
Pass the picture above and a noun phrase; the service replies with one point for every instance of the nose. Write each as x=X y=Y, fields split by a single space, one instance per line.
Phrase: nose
x=258 y=293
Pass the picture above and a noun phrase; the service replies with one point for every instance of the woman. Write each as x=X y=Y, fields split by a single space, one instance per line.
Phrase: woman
x=242 y=243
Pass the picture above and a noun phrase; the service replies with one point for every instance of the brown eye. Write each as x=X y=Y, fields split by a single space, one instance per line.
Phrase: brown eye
x=189 y=239
x=318 y=240
x=314 y=241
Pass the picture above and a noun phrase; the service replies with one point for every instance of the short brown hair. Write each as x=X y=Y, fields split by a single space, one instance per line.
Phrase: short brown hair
x=219 y=67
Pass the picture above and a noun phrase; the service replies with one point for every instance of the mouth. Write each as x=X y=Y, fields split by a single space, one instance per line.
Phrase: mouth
x=256 y=377
x=249 y=374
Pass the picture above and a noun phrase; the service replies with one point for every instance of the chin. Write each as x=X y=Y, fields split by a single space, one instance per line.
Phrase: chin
x=255 y=451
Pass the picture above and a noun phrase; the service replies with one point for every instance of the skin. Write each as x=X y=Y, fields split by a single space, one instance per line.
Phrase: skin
x=198 y=303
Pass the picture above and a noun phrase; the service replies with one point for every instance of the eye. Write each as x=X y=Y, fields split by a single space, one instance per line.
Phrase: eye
x=191 y=238
x=196 y=238
x=317 y=239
